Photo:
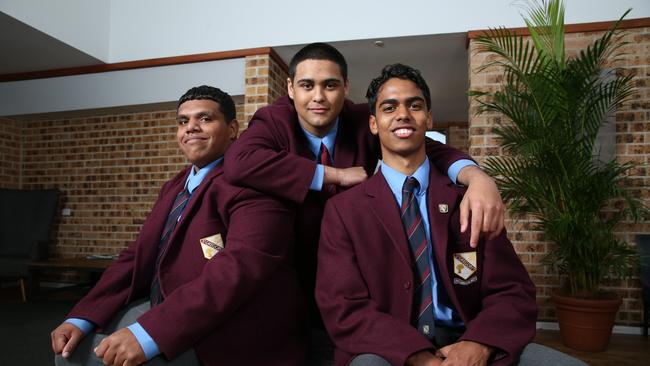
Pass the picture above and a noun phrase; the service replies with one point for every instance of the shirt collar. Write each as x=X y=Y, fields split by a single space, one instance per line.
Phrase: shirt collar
x=395 y=179
x=195 y=178
x=329 y=139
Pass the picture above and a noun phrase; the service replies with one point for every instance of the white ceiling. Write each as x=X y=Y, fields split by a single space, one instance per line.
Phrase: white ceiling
x=27 y=49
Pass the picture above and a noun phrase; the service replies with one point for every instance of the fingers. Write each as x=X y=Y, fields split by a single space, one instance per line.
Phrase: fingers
x=475 y=231
x=443 y=352
x=74 y=340
x=120 y=359
x=59 y=341
x=101 y=348
x=352 y=176
x=493 y=220
x=65 y=339
x=106 y=352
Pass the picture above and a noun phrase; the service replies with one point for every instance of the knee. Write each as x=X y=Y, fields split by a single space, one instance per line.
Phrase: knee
x=369 y=359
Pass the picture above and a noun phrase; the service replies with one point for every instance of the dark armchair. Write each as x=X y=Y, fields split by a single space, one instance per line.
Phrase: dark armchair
x=25 y=221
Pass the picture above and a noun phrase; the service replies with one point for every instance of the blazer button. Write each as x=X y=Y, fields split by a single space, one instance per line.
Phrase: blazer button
x=407 y=285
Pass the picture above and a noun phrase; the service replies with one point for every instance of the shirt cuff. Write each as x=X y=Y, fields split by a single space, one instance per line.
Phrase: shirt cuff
x=319 y=176
x=456 y=167
x=147 y=343
x=83 y=324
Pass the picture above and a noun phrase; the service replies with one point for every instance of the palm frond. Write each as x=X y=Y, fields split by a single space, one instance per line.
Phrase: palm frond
x=553 y=108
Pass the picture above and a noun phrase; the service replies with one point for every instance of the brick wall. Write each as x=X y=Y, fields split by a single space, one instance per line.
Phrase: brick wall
x=10 y=153
x=458 y=137
x=109 y=169
x=266 y=80
x=632 y=144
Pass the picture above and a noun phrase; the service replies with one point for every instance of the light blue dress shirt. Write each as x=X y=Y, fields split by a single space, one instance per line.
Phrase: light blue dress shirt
x=147 y=343
x=330 y=138
x=314 y=146
x=443 y=312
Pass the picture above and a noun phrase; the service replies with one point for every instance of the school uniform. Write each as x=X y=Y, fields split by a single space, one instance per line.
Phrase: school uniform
x=365 y=282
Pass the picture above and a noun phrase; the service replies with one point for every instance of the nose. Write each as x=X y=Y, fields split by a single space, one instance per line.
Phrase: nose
x=192 y=125
x=403 y=113
x=319 y=96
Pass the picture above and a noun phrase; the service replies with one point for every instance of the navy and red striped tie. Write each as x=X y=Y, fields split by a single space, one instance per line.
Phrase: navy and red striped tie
x=156 y=296
x=422 y=312
x=325 y=159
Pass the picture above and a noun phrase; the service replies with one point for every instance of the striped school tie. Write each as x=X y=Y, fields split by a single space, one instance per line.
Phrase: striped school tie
x=412 y=219
x=325 y=159
x=180 y=202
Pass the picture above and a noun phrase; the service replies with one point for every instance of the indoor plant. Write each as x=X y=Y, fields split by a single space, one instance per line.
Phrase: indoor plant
x=554 y=107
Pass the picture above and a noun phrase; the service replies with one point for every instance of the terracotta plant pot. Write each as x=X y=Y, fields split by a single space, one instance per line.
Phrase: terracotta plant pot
x=585 y=325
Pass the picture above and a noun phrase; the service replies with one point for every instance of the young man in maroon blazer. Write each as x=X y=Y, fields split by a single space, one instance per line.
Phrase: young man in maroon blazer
x=315 y=143
x=211 y=262
x=398 y=282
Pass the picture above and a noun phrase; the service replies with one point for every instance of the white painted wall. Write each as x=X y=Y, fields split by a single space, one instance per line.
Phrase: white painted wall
x=83 y=24
x=118 y=88
x=157 y=28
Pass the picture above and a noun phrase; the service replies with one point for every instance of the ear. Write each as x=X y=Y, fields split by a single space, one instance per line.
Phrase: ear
x=233 y=129
x=429 y=121
x=290 y=88
x=372 y=122
x=346 y=87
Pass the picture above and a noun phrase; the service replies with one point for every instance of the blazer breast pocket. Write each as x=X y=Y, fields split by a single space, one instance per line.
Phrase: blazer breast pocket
x=210 y=237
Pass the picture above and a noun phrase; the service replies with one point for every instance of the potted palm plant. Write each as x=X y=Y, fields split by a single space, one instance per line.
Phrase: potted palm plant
x=550 y=169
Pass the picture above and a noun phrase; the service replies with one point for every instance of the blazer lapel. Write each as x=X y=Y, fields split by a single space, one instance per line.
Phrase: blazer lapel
x=385 y=209
x=197 y=196
x=149 y=240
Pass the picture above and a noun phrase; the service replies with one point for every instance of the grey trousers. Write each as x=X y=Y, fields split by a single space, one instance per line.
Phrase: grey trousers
x=84 y=355
x=533 y=355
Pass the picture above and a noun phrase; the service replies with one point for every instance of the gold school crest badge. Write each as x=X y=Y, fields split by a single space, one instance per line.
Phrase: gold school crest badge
x=211 y=245
x=465 y=264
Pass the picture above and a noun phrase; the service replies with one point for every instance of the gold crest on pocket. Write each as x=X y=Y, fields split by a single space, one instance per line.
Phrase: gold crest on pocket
x=211 y=245
x=465 y=264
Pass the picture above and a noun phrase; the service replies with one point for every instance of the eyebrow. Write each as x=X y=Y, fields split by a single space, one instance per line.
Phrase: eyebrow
x=197 y=114
x=330 y=80
x=395 y=101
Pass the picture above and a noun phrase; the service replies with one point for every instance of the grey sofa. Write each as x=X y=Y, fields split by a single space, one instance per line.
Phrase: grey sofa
x=25 y=221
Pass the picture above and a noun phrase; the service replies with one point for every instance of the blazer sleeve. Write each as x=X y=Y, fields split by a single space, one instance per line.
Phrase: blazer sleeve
x=353 y=319
x=509 y=309
x=442 y=155
x=109 y=294
x=113 y=289
x=261 y=159
x=230 y=279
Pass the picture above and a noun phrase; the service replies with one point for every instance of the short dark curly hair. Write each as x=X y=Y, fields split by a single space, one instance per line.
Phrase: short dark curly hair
x=226 y=104
x=399 y=71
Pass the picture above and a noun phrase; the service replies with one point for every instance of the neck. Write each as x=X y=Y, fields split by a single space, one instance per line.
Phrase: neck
x=405 y=164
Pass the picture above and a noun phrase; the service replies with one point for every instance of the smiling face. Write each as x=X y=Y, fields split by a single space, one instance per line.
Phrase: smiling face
x=203 y=133
x=401 y=121
x=318 y=91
